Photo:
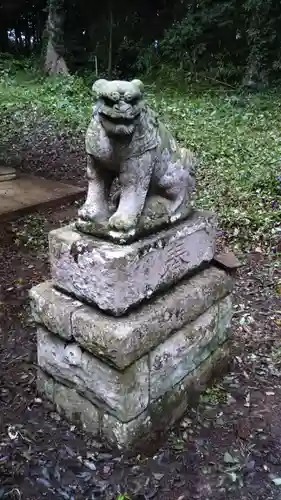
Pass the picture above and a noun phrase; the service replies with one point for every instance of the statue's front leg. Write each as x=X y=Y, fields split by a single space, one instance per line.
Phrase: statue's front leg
x=134 y=180
x=96 y=204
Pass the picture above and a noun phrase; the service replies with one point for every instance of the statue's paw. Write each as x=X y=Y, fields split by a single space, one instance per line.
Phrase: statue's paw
x=83 y=212
x=122 y=222
x=88 y=212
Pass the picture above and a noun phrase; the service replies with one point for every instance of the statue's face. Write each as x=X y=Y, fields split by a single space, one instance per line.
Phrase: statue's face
x=119 y=105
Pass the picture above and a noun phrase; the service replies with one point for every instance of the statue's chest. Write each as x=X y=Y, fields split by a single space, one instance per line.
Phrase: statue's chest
x=103 y=148
x=97 y=143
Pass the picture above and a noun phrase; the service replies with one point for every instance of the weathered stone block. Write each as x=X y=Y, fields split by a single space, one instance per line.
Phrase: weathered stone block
x=124 y=434
x=181 y=353
x=74 y=407
x=124 y=394
x=123 y=340
x=53 y=309
x=170 y=407
x=159 y=415
x=116 y=277
x=224 y=318
x=45 y=384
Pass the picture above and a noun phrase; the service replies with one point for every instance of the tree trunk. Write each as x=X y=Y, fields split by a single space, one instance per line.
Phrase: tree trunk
x=54 y=60
x=27 y=36
x=19 y=40
x=109 y=68
x=4 y=40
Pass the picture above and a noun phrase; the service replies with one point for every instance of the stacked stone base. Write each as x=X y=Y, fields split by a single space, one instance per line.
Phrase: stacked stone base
x=122 y=376
x=159 y=415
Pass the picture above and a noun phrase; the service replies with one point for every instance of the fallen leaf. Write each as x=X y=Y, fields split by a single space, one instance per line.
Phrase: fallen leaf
x=243 y=429
x=89 y=464
x=157 y=476
x=233 y=476
x=12 y=432
x=247 y=403
x=276 y=481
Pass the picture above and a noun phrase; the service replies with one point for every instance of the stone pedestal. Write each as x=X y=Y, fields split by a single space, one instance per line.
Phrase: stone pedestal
x=127 y=333
x=115 y=277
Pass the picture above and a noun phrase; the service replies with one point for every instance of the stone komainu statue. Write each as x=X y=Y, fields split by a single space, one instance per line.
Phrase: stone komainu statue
x=126 y=140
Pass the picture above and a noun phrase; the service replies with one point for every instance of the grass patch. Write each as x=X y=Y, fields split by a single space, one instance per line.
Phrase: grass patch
x=237 y=138
x=238 y=141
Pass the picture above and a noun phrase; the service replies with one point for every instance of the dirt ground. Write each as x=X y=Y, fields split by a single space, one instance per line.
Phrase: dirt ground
x=229 y=447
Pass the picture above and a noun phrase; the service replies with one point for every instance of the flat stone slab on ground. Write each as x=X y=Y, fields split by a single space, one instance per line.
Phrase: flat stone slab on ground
x=160 y=414
x=123 y=340
x=7 y=173
x=27 y=193
x=117 y=277
x=227 y=260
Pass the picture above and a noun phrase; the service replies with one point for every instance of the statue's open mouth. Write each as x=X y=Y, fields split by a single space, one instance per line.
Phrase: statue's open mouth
x=119 y=120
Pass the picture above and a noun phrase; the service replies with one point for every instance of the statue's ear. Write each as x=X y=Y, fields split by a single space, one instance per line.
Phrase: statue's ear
x=139 y=84
x=98 y=86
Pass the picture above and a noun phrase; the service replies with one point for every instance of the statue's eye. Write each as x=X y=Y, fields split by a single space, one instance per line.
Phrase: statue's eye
x=134 y=101
x=131 y=98
x=108 y=102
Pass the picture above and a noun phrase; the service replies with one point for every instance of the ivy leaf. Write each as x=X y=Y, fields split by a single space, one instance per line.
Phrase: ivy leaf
x=229 y=459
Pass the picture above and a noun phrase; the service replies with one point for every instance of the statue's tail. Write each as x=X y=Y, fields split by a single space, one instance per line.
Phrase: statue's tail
x=190 y=160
